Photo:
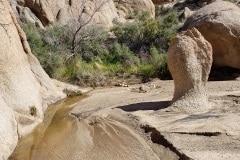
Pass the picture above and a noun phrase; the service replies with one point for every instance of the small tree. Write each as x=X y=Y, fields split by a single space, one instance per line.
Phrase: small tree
x=79 y=35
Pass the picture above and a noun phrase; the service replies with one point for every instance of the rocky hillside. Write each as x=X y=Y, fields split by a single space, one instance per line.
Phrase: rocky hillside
x=44 y=13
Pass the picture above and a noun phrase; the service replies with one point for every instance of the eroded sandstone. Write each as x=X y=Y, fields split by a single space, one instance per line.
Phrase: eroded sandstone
x=46 y=13
x=189 y=61
x=219 y=23
x=25 y=89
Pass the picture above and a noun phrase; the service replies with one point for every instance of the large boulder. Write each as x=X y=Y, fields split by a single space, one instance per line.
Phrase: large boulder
x=219 y=23
x=45 y=13
x=8 y=130
x=129 y=7
x=190 y=61
x=25 y=89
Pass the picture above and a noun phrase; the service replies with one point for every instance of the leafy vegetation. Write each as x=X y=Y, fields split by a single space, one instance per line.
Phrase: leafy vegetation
x=133 y=48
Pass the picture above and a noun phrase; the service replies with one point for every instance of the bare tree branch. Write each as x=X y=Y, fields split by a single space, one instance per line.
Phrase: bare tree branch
x=84 y=22
x=3 y=24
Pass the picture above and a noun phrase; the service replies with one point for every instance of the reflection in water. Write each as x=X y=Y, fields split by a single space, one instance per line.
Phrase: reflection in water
x=53 y=120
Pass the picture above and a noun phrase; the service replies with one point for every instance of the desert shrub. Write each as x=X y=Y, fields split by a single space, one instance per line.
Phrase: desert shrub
x=89 y=42
x=90 y=51
x=145 y=31
x=135 y=48
x=84 y=73
x=120 y=53
x=149 y=40
x=129 y=33
x=53 y=49
x=34 y=39
x=57 y=37
x=157 y=67
x=50 y=47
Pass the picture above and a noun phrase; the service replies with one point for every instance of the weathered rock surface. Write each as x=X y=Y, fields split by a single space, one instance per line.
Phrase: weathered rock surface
x=189 y=61
x=186 y=14
x=69 y=89
x=44 y=13
x=25 y=89
x=219 y=23
x=107 y=117
x=129 y=7
x=160 y=2
x=8 y=130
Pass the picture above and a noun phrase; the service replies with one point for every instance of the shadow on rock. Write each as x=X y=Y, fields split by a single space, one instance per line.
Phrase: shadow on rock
x=196 y=117
x=145 y=106
x=223 y=73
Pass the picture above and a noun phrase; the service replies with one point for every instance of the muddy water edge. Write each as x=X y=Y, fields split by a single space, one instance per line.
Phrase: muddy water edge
x=56 y=118
x=100 y=134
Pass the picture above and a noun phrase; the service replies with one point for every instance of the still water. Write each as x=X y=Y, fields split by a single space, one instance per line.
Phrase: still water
x=56 y=120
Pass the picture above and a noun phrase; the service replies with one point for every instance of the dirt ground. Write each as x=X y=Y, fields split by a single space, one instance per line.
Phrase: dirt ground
x=126 y=123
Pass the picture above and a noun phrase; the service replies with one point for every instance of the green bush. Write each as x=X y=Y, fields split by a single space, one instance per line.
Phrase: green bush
x=120 y=53
x=157 y=67
x=91 y=43
x=135 y=48
x=145 y=31
x=50 y=47
x=149 y=40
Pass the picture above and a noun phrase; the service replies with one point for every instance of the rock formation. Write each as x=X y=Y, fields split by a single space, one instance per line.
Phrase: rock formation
x=25 y=89
x=189 y=61
x=186 y=14
x=160 y=2
x=44 y=13
x=219 y=23
x=129 y=7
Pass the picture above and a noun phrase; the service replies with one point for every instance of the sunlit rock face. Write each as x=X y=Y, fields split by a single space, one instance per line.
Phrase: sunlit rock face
x=25 y=89
x=189 y=61
x=44 y=13
x=219 y=23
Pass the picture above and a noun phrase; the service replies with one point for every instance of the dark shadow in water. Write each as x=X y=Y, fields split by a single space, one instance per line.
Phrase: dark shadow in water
x=145 y=106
